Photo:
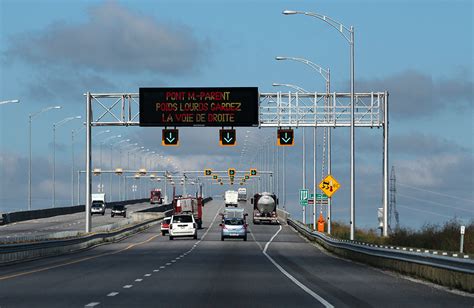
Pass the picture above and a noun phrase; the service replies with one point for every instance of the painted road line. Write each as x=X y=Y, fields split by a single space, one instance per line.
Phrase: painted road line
x=147 y=275
x=162 y=266
x=113 y=293
x=156 y=270
x=92 y=304
x=128 y=286
x=168 y=264
x=138 y=280
x=293 y=279
x=173 y=261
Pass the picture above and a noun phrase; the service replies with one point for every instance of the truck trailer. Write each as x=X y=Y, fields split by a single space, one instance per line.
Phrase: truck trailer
x=264 y=208
x=189 y=205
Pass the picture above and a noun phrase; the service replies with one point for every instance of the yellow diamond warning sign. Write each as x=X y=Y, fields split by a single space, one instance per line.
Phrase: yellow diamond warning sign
x=329 y=185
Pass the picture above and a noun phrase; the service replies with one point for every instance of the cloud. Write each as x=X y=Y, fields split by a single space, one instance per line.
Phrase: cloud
x=414 y=94
x=113 y=39
x=56 y=84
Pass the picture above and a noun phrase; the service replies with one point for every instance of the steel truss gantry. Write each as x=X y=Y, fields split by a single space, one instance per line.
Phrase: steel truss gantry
x=279 y=109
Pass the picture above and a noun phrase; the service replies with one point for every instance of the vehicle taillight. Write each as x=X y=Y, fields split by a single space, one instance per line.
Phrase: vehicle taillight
x=274 y=214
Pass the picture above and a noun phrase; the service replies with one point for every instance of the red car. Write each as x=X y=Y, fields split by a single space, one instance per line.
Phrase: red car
x=165 y=225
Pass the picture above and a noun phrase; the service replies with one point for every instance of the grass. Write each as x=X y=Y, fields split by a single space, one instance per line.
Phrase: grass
x=444 y=237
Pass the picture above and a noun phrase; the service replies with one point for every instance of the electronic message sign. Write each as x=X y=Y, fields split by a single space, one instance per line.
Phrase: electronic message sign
x=230 y=106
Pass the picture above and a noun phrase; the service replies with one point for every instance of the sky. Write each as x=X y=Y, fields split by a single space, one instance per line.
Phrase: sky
x=421 y=52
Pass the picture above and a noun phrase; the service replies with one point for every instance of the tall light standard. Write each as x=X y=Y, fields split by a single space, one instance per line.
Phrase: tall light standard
x=299 y=90
x=348 y=34
x=326 y=74
x=100 y=154
x=73 y=132
x=10 y=101
x=55 y=125
x=120 y=165
x=30 y=118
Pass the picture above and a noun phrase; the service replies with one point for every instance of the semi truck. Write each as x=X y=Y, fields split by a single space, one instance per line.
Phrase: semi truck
x=155 y=196
x=189 y=205
x=231 y=198
x=264 y=208
x=242 y=193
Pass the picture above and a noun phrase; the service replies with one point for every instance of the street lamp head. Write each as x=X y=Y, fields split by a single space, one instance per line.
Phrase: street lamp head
x=280 y=58
x=77 y=117
x=57 y=107
x=289 y=12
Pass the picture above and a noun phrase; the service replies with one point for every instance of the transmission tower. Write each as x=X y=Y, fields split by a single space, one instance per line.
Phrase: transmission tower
x=393 y=212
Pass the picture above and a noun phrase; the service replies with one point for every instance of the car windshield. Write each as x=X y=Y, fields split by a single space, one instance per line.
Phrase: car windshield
x=118 y=207
x=234 y=222
x=97 y=203
x=183 y=218
x=166 y=220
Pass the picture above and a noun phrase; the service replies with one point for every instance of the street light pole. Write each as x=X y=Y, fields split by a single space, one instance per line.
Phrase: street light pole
x=30 y=118
x=325 y=73
x=58 y=124
x=350 y=39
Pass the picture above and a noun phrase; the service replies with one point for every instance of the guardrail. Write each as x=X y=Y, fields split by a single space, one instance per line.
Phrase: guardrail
x=445 y=270
x=7 y=218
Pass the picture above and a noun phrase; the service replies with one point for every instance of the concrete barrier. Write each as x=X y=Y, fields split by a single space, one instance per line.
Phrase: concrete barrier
x=8 y=218
x=14 y=253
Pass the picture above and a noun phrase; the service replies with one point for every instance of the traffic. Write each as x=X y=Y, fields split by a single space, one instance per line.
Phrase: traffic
x=185 y=217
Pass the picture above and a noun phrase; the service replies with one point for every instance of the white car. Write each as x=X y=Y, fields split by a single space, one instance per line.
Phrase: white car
x=182 y=225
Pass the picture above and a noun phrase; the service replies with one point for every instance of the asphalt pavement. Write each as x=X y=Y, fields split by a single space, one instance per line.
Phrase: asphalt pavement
x=71 y=222
x=275 y=268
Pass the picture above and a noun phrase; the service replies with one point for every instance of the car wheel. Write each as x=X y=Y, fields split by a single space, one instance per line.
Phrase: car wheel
x=171 y=238
x=163 y=233
x=195 y=236
x=111 y=215
x=245 y=238
x=103 y=214
x=222 y=238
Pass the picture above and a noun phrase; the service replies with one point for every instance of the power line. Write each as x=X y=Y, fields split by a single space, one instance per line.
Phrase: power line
x=436 y=203
x=435 y=192
x=423 y=211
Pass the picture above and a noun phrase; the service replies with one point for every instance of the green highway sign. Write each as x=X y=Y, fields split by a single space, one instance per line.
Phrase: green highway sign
x=318 y=196
x=304 y=197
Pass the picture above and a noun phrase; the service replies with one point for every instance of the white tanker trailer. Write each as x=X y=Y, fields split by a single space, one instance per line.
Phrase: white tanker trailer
x=264 y=208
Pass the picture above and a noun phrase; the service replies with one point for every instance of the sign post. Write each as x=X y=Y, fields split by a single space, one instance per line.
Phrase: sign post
x=463 y=230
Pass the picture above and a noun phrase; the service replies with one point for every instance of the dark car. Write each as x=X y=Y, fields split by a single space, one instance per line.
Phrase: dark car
x=119 y=210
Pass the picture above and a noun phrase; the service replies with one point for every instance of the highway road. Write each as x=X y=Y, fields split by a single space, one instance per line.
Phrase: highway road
x=274 y=268
x=71 y=222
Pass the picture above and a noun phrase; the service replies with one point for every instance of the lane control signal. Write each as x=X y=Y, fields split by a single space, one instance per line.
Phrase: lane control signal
x=231 y=172
x=170 y=137
x=285 y=137
x=227 y=137
x=207 y=172
x=253 y=172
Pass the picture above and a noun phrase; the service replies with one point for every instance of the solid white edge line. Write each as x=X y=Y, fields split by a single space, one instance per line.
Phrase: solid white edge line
x=293 y=279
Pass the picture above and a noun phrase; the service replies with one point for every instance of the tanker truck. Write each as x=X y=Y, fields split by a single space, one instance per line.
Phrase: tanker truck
x=264 y=208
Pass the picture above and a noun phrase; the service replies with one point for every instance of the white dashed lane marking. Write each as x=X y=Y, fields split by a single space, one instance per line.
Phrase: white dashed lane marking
x=138 y=280
x=92 y=304
x=113 y=293
x=128 y=286
x=147 y=275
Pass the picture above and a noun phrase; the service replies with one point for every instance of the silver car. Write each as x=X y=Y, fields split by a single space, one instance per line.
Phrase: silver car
x=233 y=228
